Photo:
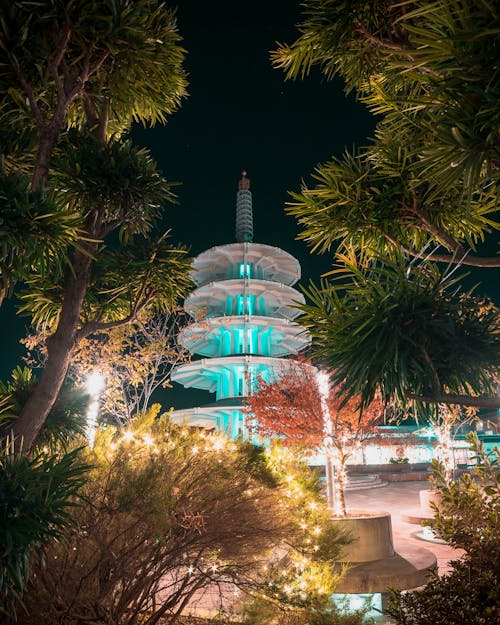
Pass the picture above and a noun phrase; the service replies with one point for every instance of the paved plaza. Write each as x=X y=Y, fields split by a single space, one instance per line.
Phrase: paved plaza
x=401 y=498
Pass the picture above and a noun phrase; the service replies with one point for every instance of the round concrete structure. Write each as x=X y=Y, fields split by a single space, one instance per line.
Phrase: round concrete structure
x=373 y=565
x=428 y=497
x=371 y=533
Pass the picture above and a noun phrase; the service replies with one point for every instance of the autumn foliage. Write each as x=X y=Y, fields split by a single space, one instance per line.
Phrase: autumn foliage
x=289 y=407
x=294 y=408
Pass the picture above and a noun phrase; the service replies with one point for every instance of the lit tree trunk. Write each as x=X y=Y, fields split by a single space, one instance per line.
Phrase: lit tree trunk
x=444 y=449
x=341 y=484
x=330 y=479
x=59 y=347
x=335 y=478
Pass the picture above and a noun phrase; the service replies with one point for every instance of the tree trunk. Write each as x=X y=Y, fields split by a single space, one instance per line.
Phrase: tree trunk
x=340 y=487
x=59 y=347
x=335 y=482
x=48 y=139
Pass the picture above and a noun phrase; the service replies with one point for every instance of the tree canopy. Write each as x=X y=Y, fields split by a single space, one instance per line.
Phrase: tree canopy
x=75 y=75
x=423 y=189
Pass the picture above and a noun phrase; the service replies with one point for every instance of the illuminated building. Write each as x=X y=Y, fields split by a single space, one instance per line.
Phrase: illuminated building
x=244 y=308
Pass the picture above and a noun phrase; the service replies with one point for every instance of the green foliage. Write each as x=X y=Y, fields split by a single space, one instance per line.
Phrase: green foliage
x=469 y=514
x=117 y=176
x=468 y=517
x=35 y=230
x=119 y=185
x=323 y=613
x=376 y=202
x=425 y=64
x=403 y=329
x=147 y=274
x=36 y=496
x=426 y=186
x=124 y=52
x=467 y=594
x=65 y=421
x=168 y=512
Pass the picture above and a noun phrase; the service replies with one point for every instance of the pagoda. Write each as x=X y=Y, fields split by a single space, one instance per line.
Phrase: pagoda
x=243 y=308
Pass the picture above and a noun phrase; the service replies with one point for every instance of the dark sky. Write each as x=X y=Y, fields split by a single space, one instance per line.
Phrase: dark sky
x=240 y=114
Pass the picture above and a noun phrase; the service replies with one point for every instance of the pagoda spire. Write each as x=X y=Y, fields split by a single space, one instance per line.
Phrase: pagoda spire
x=244 y=215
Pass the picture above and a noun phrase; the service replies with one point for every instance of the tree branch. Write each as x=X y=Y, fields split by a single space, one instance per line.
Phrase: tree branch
x=466 y=259
x=460 y=400
x=96 y=326
x=400 y=47
x=30 y=94
x=55 y=61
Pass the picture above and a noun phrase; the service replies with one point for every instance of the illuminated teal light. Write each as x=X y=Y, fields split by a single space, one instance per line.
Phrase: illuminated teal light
x=245 y=270
x=372 y=602
x=250 y=304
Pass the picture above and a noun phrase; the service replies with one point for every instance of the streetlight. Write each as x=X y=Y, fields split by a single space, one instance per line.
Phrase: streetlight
x=95 y=384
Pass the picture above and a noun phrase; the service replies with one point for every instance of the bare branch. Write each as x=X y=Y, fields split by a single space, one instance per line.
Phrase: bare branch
x=464 y=259
x=460 y=400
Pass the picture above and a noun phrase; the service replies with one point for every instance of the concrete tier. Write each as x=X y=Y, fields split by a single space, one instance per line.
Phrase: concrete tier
x=244 y=297
x=410 y=568
x=248 y=334
x=228 y=419
x=250 y=260
x=373 y=563
x=230 y=376
x=372 y=535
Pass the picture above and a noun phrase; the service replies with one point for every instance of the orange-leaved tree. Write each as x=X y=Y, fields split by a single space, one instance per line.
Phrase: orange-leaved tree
x=305 y=408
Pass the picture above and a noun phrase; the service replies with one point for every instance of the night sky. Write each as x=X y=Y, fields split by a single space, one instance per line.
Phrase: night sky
x=240 y=114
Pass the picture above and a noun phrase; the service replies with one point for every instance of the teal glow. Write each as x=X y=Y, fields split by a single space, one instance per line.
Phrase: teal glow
x=240 y=305
x=372 y=602
x=250 y=304
x=245 y=270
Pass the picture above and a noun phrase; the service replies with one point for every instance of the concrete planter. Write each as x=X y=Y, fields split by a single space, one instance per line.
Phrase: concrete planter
x=374 y=565
x=372 y=534
x=426 y=498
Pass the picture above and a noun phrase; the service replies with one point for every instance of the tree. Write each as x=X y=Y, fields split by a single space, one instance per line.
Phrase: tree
x=406 y=331
x=305 y=412
x=467 y=518
x=424 y=188
x=93 y=67
x=410 y=62
x=39 y=492
x=170 y=512
x=445 y=423
x=134 y=359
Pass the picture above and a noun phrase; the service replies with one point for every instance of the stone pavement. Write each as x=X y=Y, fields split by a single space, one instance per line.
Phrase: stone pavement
x=401 y=498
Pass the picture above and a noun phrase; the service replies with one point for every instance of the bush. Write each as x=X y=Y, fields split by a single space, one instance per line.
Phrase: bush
x=170 y=513
x=36 y=496
x=468 y=518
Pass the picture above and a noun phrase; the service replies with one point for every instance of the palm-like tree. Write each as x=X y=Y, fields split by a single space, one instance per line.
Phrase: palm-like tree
x=405 y=329
x=94 y=67
x=424 y=188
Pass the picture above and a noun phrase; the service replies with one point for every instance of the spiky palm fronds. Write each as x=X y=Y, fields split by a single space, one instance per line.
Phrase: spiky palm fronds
x=37 y=495
x=35 y=231
x=428 y=64
x=66 y=420
x=402 y=329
